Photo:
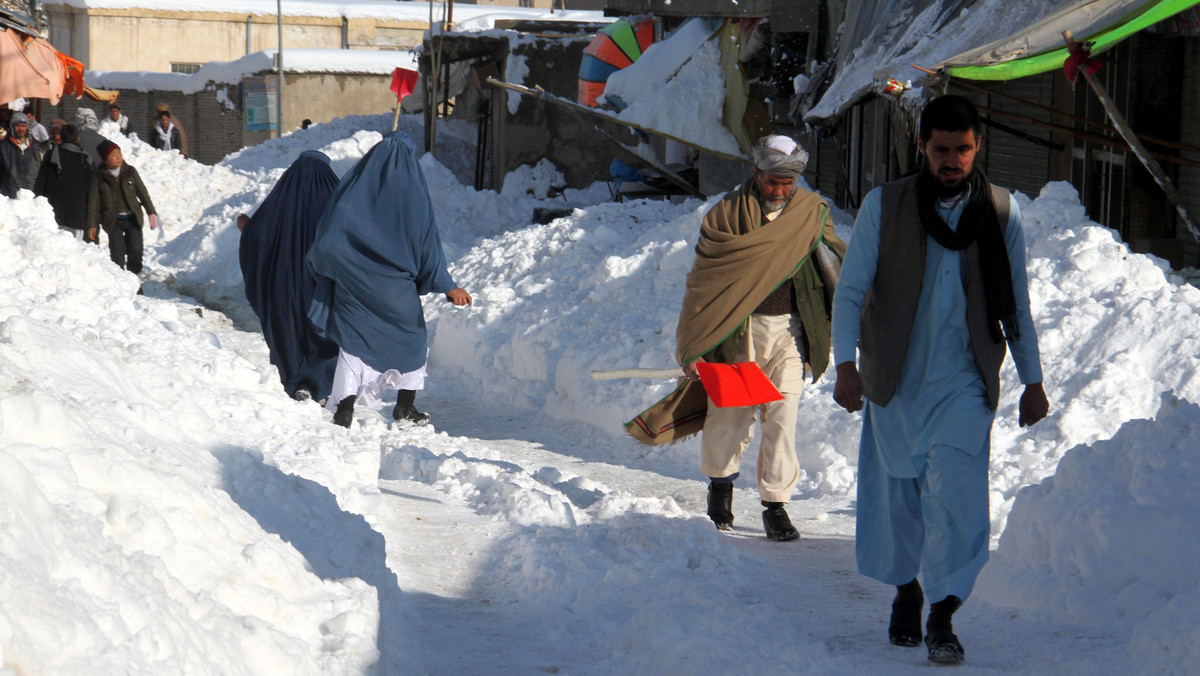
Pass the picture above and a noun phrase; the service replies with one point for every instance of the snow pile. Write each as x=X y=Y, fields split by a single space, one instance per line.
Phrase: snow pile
x=614 y=275
x=1112 y=536
x=129 y=545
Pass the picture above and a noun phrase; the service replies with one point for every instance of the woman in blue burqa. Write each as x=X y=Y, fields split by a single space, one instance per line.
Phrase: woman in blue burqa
x=376 y=253
x=274 y=243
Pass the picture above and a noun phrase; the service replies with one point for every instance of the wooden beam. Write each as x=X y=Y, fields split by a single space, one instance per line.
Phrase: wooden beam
x=1139 y=150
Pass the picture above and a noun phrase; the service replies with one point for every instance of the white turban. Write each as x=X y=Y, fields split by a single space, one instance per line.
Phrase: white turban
x=780 y=156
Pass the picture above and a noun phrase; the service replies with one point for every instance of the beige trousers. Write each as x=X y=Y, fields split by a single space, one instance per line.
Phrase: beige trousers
x=771 y=343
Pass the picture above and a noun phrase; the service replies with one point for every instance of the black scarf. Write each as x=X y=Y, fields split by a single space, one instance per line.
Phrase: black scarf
x=977 y=223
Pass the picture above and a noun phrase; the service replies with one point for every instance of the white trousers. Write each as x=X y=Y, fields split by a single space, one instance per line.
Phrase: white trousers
x=354 y=376
x=770 y=342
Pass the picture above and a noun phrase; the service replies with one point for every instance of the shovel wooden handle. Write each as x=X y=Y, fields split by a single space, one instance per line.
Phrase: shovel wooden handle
x=637 y=373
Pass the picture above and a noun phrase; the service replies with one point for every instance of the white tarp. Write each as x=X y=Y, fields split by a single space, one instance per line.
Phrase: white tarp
x=1081 y=18
x=885 y=38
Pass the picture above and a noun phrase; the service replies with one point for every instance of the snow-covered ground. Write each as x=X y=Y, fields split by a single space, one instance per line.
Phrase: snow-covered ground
x=168 y=509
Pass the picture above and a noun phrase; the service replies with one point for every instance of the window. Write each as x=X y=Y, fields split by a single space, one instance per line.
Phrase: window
x=186 y=68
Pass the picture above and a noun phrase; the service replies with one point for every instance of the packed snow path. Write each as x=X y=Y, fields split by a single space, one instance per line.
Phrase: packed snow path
x=589 y=597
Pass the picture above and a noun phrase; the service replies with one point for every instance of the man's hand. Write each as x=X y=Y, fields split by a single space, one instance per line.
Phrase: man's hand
x=690 y=370
x=1034 y=406
x=847 y=392
x=153 y=221
x=458 y=297
x=92 y=234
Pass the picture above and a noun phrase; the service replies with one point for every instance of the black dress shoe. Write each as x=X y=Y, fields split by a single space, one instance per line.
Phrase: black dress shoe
x=777 y=524
x=344 y=414
x=720 y=505
x=905 y=627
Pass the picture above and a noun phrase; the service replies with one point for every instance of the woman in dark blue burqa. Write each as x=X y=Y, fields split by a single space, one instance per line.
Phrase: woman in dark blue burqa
x=377 y=251
x=274 y=244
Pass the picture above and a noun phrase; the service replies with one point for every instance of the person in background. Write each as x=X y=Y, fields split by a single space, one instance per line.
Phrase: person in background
x=933 y=293
x=20 y=157
x=274 y=243
x=166 y=136
x=115 y=202
x=56 y=126
x=64 y=180
x=114 y=114
x=183 y=137
x=90 y=139
x=377 y=251
x=37 y=130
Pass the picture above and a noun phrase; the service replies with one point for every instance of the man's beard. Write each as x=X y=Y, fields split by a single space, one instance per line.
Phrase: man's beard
x=771 y=206
x=960 y=186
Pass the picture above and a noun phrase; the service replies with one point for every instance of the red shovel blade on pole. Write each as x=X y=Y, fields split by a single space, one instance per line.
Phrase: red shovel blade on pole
x=739 y=384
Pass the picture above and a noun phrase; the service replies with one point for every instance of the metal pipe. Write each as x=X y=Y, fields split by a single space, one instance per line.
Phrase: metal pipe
x=249 y=34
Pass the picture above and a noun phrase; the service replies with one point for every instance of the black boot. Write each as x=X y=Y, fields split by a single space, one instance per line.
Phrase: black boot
x=406 y=411
x=943 y=645
x=344 y=414
x=777 y=524
x=905 y=627
x=720 y=504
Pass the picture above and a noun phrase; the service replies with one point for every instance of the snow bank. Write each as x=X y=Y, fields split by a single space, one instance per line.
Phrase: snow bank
x=1111 y=540
x=127 y=537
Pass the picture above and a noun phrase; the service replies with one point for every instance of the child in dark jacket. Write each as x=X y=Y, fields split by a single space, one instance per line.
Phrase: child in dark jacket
x=115 y=203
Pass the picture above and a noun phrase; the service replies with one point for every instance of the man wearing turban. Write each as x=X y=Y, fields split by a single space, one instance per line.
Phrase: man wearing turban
x=755 y=293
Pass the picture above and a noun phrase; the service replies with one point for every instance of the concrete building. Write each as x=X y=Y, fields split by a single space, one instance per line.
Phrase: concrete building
x=160 y=38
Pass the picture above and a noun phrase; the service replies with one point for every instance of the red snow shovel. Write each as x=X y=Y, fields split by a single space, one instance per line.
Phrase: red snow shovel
x=739 y=384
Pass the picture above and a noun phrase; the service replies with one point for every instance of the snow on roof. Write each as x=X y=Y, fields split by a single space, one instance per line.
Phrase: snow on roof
x=478 y=16
x=898 y=33
x=380 y=62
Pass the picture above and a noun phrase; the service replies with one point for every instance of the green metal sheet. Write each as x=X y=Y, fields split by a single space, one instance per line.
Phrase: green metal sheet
x=1047 y=61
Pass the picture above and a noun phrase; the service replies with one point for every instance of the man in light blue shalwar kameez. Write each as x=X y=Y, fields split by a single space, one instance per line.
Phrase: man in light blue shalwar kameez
x=932 y=289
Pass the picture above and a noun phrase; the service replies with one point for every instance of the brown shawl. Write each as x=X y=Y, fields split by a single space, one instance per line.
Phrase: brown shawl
x=739 y=261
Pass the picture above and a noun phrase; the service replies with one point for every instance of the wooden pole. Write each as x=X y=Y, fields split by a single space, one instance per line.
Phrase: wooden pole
x=1135 y=143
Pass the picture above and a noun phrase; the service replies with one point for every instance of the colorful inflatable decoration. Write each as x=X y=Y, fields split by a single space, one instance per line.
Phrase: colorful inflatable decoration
x=616 y=46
